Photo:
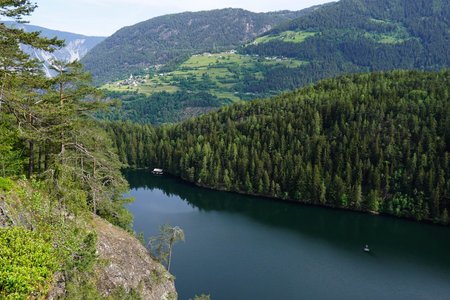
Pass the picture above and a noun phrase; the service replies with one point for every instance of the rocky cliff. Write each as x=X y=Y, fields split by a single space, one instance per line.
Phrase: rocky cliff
x=126 y=263
x=75 y=48
x=122 y=263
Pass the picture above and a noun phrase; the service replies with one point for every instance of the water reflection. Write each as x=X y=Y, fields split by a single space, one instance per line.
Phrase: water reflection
x=392 y=238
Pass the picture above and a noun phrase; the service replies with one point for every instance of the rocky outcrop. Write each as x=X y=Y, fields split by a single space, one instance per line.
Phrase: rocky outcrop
x=126 y=263
x=123 y=264
x=5 y=220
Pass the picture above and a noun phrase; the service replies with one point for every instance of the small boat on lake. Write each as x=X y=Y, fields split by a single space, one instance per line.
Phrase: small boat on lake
x=366 y=248
x=157 y=171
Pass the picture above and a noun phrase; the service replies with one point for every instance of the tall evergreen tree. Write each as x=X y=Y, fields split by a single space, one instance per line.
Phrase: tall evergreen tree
x=375 y=142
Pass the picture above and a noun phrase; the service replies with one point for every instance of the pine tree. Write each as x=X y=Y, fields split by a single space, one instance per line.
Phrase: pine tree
x=20 y=77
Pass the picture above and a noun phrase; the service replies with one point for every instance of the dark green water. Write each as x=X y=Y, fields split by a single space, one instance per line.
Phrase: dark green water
x=240 y=247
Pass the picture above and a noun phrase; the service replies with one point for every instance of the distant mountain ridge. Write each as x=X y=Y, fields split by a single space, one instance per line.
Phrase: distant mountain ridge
x=77 y=45
x=173 y=38
x=360 y=36
x=350 y=36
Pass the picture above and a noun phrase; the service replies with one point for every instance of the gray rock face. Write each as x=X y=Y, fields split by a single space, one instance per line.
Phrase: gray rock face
x=126 y=263
x=76 y=45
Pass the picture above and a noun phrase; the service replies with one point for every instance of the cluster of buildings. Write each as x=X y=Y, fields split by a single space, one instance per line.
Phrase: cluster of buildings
x=132 y=81
x=208 y=54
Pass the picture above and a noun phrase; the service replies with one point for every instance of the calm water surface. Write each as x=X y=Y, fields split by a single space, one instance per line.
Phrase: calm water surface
x=240 y=247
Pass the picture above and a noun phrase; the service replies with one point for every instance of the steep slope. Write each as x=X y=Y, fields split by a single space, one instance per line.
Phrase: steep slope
x=76 y=45
x=119 y=265
x=128 y=265
x=345 y=37
x=377 y=142
x=359 y=35
x=172 y=38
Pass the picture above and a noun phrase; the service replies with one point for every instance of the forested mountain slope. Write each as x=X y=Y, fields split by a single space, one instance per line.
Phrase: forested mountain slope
x=173 y=38
x=358 y=36
x=376 y=142
x=349 y=36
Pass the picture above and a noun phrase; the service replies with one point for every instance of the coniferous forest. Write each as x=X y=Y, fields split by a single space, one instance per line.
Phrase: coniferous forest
x=57 y=170
x=376 y=142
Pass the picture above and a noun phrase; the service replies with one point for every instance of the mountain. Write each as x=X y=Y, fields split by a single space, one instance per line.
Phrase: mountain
x=349 y=36
x=170 y=39
x=375 y=142
x=202 y=83
x=76 y=45
x=358 y=36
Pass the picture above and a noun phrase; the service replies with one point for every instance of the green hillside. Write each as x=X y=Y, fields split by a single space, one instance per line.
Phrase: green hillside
x=165 y=41
x=217 y=73
x=375 y=142
x=202 y=83
x=285 y=36
x=361 y=36
x=337 y=38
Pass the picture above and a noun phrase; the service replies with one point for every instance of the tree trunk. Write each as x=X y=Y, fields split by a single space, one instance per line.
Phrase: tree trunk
x=31 y=160
x=2 y=91
x=31 y=147
x=39 y=159
x=46 y=160
x=94 y=203
x=170 y=258
x=94 y=200
x=61 y=101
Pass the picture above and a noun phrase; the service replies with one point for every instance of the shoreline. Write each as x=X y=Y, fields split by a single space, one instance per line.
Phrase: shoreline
x=290 y=201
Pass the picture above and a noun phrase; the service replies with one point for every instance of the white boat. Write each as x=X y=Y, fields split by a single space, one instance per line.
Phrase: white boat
x=158 y=171
x=366 y=248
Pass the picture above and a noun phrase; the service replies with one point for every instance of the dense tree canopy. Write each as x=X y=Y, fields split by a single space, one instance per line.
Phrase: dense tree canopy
x=360 y=36
x=160 y=108
x=373 y=142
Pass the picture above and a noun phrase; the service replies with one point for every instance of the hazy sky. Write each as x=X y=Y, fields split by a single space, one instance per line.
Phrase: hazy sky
x=104 y=17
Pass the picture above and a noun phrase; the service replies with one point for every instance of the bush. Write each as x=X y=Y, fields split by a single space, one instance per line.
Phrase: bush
x=5 y=184
x=27 y=264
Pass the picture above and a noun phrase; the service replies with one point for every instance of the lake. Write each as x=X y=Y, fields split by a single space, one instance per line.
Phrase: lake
x=243 y=247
